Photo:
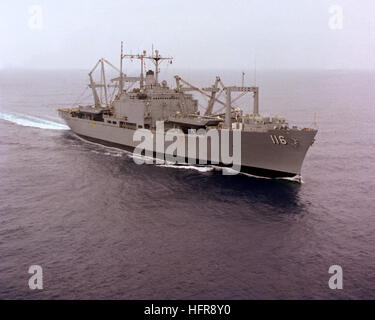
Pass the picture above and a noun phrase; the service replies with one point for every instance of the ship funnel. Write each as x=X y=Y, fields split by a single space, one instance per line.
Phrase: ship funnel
x=150 y=79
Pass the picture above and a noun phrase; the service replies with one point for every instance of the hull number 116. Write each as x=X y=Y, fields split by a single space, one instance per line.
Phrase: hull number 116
x=278 y=139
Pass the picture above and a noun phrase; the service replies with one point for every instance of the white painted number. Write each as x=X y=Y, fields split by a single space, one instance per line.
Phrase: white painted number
x=278 y=139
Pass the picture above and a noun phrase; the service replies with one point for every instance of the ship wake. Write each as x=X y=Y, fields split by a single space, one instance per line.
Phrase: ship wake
x=31 y=121
x=186 y=166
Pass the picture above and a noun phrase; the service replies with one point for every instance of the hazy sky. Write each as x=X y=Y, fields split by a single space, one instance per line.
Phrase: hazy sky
x=198 y=34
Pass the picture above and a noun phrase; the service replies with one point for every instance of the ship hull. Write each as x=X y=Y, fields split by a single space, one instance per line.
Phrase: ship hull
x=262 y=153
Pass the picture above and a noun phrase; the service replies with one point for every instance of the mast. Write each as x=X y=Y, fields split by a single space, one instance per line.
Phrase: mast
x=121 y=78
x=104 y=82
x=141 y=77
x=156 y=59
x=94 y=93
x=157 y=66
x=93 y=87
x=228 y=109
x=229 y=101
x=256 y=101
x=98 y=103
x=214 y=89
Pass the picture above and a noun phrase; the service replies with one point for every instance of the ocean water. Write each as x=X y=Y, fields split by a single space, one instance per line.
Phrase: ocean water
x=103 y=227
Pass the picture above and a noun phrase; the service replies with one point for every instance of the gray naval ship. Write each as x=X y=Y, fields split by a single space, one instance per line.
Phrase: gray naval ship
x=269 y=146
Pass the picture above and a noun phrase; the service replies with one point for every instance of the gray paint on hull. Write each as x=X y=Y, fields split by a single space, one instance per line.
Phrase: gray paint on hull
x=257 y=148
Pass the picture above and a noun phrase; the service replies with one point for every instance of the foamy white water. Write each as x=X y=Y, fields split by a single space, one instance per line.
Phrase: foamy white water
x=30 y=121
x=187 y=167
x=167 y=164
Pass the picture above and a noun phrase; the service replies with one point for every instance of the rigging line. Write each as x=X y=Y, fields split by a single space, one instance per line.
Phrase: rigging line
x=202 y=106
x=131 y=85
x=219 y=94
x=239 y=97
x=78 y=99
x=112 y=94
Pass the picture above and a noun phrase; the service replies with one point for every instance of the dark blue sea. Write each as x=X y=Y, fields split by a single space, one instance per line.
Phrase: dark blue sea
x=103 y=227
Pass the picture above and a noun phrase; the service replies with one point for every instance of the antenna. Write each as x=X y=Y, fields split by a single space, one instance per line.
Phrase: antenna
x=315 y=124
x=142 y=66
x=121 y=78
x=255 y=70
x=157 y=59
